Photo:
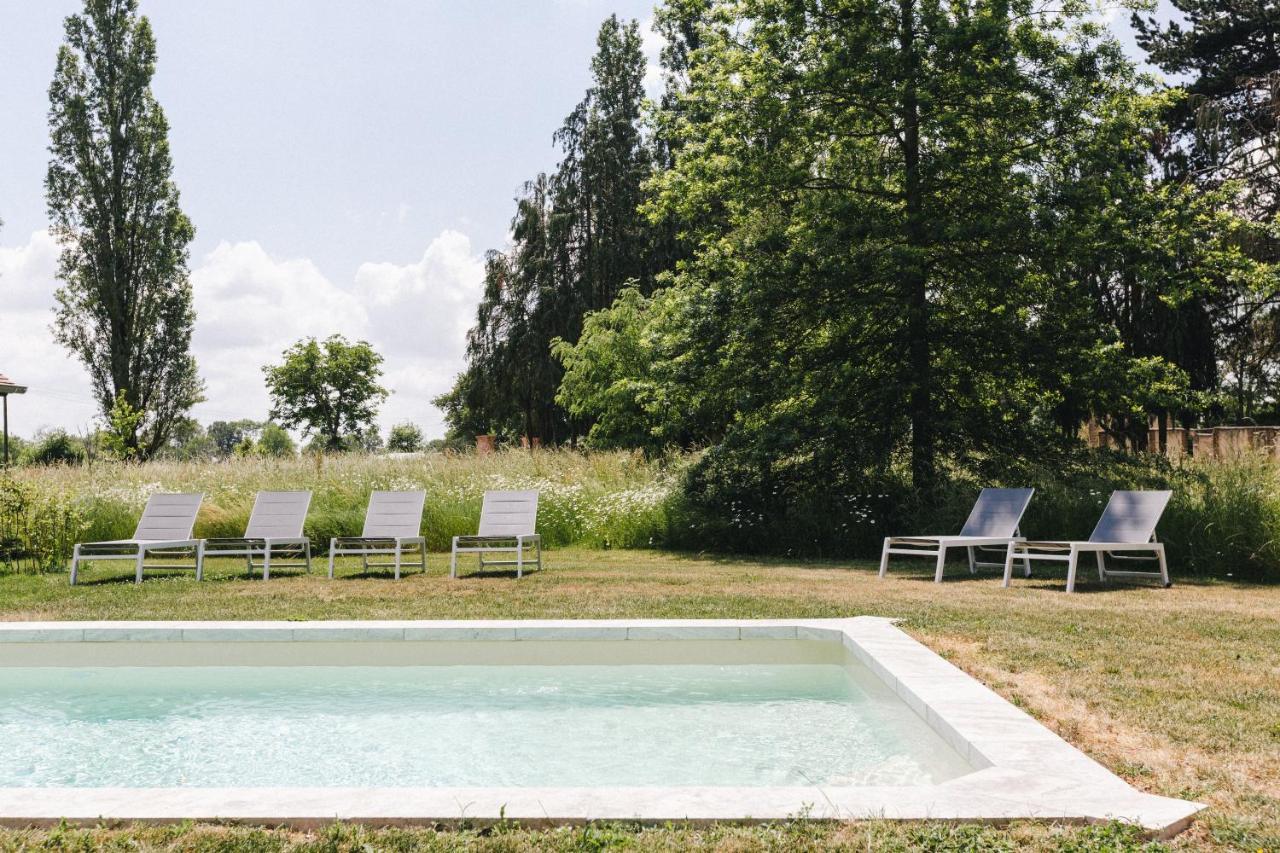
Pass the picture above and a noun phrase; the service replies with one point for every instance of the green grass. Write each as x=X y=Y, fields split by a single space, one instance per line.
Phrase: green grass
x=1176 y=690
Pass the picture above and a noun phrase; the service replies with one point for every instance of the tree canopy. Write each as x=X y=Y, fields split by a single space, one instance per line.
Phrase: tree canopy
x=329 y=389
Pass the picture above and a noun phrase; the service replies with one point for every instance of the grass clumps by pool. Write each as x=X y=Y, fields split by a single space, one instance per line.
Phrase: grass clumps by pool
x=794 y=836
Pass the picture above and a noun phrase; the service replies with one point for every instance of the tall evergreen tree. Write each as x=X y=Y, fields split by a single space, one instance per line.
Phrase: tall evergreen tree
x=124 y=307
x=578 y=238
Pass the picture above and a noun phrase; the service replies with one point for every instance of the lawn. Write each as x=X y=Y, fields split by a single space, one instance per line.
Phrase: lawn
x=1177 y=691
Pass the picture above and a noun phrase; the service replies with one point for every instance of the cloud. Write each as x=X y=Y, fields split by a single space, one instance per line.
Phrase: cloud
x=59 y=393
x=250 y=306
x=419 y=314
x=652 y=43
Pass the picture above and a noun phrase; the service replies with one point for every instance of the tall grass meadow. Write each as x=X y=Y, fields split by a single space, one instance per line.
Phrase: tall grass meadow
x=1223 y=520
x=597 y=500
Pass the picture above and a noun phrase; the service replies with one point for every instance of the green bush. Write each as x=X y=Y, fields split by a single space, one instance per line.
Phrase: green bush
x=37 y=528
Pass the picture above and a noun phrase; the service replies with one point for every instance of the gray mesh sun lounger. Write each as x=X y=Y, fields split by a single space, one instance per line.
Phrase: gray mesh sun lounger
x=274 y=531
x=164 y=529
x=1126 y=532
x=992 y=525
x=392 y=527
x=507 y=523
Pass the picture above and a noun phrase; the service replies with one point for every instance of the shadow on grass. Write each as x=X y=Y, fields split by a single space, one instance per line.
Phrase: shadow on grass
x=495 y=573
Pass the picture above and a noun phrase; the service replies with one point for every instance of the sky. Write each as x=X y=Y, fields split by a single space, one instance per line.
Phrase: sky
x=346 y=166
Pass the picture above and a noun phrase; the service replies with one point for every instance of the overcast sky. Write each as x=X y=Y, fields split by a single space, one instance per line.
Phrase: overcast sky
x=346 y=166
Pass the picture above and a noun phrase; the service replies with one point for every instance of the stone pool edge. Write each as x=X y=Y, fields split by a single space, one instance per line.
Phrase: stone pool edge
x=1022 y=769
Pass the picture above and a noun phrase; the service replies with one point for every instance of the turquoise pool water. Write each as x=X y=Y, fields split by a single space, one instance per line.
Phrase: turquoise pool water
x=748 y=725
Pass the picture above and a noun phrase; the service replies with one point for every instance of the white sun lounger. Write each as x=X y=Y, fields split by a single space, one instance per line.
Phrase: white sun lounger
x=507 y=522
x=274 y=530
x=1126 y=531
x=392 y=527
x=992 y=524
x=164 y=529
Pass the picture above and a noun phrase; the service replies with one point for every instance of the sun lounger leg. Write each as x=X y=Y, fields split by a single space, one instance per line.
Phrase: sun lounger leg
x=200 y=561
x=1026 y=565
x=266 y=560
x=1102 y=566
x=306 y=549
x=942 y=561
x=397 y=559
x=333 y=546
x=519 y=557
x=1073 y=559
x=75 y=564
x=973 y=563
x=539 y=553
x=1008 y=564
x=1164 y=567
x=453 y=559
x=142 y=553
x=884 y=557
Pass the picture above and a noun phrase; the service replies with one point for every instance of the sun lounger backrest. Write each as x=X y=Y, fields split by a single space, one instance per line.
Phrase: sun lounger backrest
x=168 y=517
x=1130 y=517
x=509 y=513
x=997 y=512
x=394 y=514
x=278 y=515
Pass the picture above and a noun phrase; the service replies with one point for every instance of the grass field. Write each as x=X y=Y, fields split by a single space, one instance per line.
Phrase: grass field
x=1177 y=691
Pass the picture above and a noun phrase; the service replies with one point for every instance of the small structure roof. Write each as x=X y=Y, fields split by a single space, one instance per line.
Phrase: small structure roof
x=7 y=386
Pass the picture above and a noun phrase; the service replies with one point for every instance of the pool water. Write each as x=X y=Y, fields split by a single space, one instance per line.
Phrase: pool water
x=460 y=726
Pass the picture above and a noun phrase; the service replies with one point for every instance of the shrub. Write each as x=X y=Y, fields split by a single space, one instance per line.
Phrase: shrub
x=1223 y=519
x=56 y=448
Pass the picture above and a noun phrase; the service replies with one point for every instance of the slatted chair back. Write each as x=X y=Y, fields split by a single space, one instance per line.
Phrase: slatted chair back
x=394 y=514
x=278 y=515
x=168 y=517
x=1130 y=517
x=509 y=513
x=997 y=513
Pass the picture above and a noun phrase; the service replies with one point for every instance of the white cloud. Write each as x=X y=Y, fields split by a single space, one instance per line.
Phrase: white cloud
x=651 y=43
x=250 y=306
x=59 y=393
x=419 y=315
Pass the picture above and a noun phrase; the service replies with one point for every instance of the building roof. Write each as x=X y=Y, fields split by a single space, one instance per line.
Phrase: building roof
x=7 y=386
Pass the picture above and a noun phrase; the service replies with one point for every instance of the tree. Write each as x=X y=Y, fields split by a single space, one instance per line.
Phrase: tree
x=328 y=389
x=578 y=238
x=1224 y=138
x=124 y=307
x=275 y=442
x=226 y=435
x=1229 y=123
x=405 y=438
x=189 y=440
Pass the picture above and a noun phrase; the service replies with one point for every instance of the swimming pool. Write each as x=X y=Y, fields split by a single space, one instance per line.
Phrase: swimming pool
x=540 y=721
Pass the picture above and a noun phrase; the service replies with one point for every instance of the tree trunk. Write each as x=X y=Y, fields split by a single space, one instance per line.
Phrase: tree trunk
x=914 y=278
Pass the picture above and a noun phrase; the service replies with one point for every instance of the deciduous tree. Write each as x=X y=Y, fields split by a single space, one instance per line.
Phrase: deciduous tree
x=328 y=389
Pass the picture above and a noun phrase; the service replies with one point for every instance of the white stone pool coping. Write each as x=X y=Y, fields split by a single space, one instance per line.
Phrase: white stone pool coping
x=1022 y=770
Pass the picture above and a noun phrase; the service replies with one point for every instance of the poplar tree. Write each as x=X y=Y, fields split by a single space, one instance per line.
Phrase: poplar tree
x=124 y=307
